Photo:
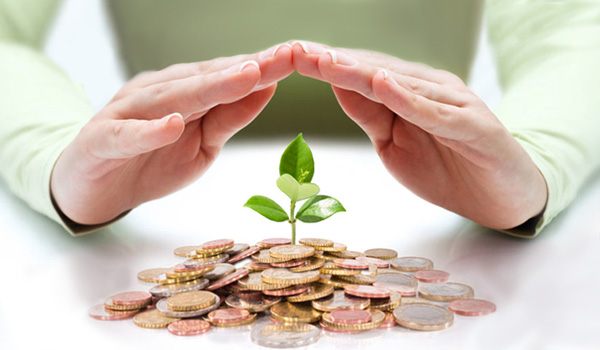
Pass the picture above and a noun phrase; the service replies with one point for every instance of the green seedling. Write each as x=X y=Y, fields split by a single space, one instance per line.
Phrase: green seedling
x=296 y=170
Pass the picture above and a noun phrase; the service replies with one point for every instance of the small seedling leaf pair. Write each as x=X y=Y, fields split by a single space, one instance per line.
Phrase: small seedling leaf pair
x=296 y=170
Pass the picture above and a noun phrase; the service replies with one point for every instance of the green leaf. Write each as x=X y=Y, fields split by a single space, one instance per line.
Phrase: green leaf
x=319 y=208
x=297 y=160
x=267 y=208
x=296 y=191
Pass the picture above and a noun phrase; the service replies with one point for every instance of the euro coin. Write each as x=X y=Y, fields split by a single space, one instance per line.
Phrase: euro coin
x=99 y=312
x=340 y=301
x=423 y=317
x=162 y=307
x=445 y=291
x=243 y=254
x=290 y=252
x=471 y=307
x=227 y=279
x=152 y=319
x=314 y=291
x=432 y=276
x=411 y=264
x=316 y=242
x=150 y=274
x=285 y=335
x=251 y=301
x=188 y=327
x=287 y=277
x=366 y=291
x=166 y=290
x=381 y=253
x=190 y=301
x=295 y=313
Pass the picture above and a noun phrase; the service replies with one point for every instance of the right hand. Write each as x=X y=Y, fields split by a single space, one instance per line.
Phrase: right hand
x=161 y=131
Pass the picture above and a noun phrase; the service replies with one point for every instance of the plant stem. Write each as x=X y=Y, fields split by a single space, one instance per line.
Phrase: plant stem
x=293 y=221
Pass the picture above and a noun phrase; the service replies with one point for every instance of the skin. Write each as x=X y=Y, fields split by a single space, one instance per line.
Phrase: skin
x=433 y=135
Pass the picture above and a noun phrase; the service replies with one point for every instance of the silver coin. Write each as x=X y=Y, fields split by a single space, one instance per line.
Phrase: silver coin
x=237 y=248
x=412 y=264
x=285 y=335
x=445 y=291
x=166 y=290
x=194 y=263
x=221 y=269
x=161 y=306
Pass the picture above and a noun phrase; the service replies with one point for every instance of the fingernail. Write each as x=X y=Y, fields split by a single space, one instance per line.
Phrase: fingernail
x=302 y=44
x=272 y=52
x=165 y=120
x=341 y=58
x=385 y=73
x=248 y=64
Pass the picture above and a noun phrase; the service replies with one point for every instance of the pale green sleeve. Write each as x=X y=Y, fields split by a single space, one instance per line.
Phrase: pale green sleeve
x=41 y=109
x=548 y=55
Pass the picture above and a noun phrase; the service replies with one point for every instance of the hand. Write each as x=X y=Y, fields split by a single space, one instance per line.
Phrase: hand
x=162 y=131
x=433 y=135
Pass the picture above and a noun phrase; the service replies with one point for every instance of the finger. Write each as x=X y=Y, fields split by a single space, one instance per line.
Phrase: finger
x=436 y=118
x=275 y=63
x=374 y=118
x=221 y=123
x=306 y=57
x=123 y=139
x=191 y=95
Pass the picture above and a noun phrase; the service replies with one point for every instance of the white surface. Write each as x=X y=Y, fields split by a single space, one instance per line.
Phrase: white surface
x=545 y=289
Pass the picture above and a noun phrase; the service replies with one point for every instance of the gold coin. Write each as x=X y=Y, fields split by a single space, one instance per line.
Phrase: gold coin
x=190 y=301
x=347 y=254
x=295 y=313
x=336 y=247
x=264 y=257
x=291 y=252
x=381 y=253
x=198 y=260
x=324 y=256
x=202 y=253
x=287 y=277
x=244 y=322
x=312 y=264
x=316 y=242
x=339 y=300
x=254 y=282
x=184 y=251
x=357 y=279
x=423 y=317
x=189 y=274
x=377 y=318
x=332 y=281
x=150 y=274
x=163 y=279
x=386 y=304
x=152 y=319
x=445 y=291
x=315 y=291
x=331 y=269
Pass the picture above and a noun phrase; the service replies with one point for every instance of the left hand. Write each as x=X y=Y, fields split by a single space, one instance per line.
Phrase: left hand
x=433 y=134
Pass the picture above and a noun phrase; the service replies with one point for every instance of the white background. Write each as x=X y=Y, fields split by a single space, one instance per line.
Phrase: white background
x=546 y=290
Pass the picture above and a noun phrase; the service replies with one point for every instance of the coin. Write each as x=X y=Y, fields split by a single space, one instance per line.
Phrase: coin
x=99 y=312
x=391 y=280
x=287 y=277
x=423 y=317
x=412 y=264
x=431 y=276
x=206 y=261
x=291 y=263
x=132 y=298
x=252 y=301
x=358 y=279
x=163 y=279
x=152 y=319
x=190 y=301
x=415 y=300
x=316 y=242
x=389 y=321
x=227 y=279
x=243 y=322
x=243 y=254
x=109 y=304
x=350 y=316
x=380 y=263
x=381 y=253
x=332 y=269
x=166 y=290
x=366 y=291
x=295 y=312
x=219 y=271
x=228 y=315
x=264 y=257
x=336 y=247
x=332 y=281
x=404 y=291
x=340 y=301
x=258 y=267
x=188 y=327
x=387 y=304
x=377 y=318
x=150 y=274
x=351 y=264
x=347 y=254
x=184 y=251
x=315 y=291
x=290 y=252
x=193 y=272
x=237 y=248
x=254 y=282
x=217 y=244
x=163 y=308
x=471 y=307
x=292 y=290
x=312 y=264
x=445 y=291
x=325 y=256
x=285 y=335
x=273 y=242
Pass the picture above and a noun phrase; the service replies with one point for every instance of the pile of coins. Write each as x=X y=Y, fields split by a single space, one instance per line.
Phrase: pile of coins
x=315 y=282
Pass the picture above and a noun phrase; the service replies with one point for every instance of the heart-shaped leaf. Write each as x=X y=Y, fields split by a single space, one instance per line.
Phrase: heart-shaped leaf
x=319 y=208
x=296 y=191
x=297 y=160
x=267 y=208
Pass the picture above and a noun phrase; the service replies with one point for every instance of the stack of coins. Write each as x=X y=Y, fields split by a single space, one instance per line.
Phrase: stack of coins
x=317 y=282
